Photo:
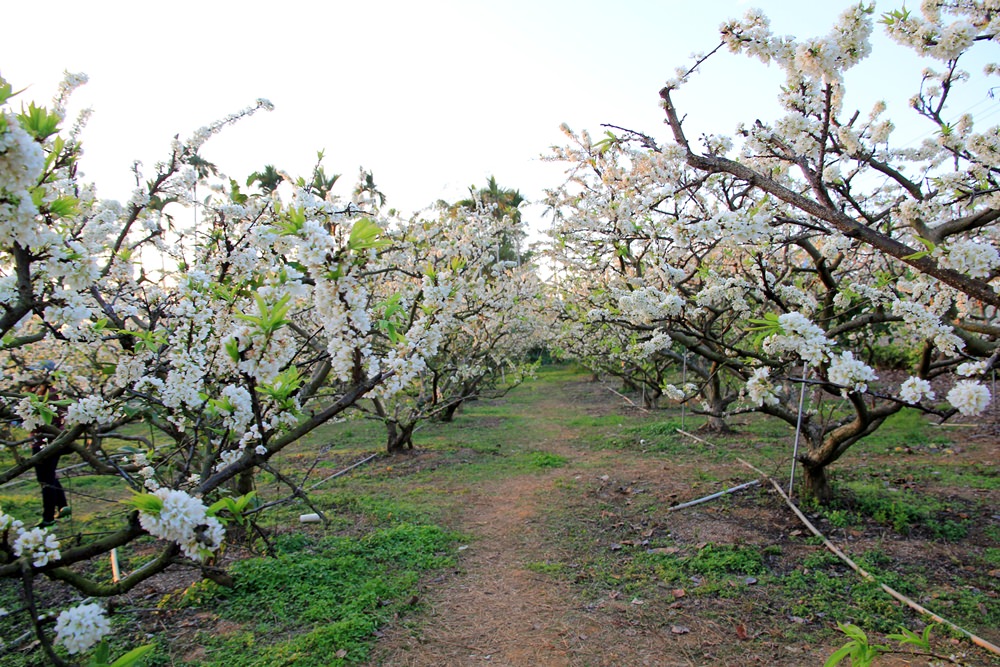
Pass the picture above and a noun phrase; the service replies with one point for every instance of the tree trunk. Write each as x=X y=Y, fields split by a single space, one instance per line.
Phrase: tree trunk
x=815 y=482
x=449 y=413
x=244 y=482
x=651 y=397
x=712 y=392
x=400 y=437
x=714 y=424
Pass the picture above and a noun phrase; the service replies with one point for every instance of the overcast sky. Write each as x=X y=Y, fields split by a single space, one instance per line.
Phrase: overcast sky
x=433 y=96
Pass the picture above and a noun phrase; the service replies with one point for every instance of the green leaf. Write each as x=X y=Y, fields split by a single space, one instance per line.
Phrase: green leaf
x=839 y=655
x=233 y=350
x=235 y=195
x=101 y=654
x=283 y=386
x=922 y=253
x=271 y=318
x=64 y=207
x=7 y=92
x=38 y=122
x=364 y=235
x=134 y=656
x=854 y=632
x=767 y=326
x=605 y=144
x=146 y=503
x=294 y=221
x=909 y=637
x=234 y=507
x=225 y=503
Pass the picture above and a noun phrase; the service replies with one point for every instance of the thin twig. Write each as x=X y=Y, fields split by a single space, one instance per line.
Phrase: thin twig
x=283 y=501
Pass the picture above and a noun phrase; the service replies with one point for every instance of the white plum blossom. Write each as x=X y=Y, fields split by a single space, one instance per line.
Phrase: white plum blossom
x=969 y=397
x=40 y=544
x=27 y=412
x=648 y=304
x=91 y=409
x=7 y=522
x=183 y=519
x=973 y=258
x=926 y=325
x=915 y=389
x=760 y=389
x=148 y=473
x=228 y=458
x=850 y=373
x=971 y=368
x=80 y=627
x=801 y=336
x=241 y=413
x=21 y=159
x=684 y=392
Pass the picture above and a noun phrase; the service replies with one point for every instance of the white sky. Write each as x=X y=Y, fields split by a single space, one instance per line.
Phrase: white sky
x=433 y=96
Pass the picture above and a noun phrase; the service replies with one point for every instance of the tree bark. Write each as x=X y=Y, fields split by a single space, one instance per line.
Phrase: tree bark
x=713 y=393
x=449 y=413
x=400 y=438
x=816 y=482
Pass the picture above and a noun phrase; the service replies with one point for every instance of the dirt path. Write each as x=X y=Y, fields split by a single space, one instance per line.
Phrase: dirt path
x=514 y=600
x=494 y=609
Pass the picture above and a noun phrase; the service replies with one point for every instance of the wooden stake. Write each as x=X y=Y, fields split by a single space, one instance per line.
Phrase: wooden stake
x=116 y=575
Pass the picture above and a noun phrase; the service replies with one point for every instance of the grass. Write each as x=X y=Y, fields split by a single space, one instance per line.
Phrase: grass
x=325 y=596
x=862 y=502
x=825 y=588
x=322 y=599
x=906 y=428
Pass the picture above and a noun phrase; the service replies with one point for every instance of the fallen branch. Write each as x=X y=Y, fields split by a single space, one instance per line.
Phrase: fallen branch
x=714 y=495
x=978 y=641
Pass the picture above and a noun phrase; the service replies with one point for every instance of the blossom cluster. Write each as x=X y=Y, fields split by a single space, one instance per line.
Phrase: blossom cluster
x=39 y=543
x=759 y=388
x=914 y=390
x=973 y=258
x=969 y=397
x=183 y=519
x=853 y=375
x=21 y=159
x=800 y=336
x=81 y=627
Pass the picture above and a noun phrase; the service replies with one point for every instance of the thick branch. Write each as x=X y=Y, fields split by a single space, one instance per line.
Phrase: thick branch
x=847 y=225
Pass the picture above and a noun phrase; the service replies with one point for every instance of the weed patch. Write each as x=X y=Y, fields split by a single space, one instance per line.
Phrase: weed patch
x=320 y=600
x=547 y=460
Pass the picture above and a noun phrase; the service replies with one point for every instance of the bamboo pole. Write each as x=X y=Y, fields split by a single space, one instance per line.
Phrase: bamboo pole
x=694 y=437
x=342 y=472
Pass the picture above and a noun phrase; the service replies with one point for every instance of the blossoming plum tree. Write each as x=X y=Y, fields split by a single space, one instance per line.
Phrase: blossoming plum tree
x=209 y=348
x=798 y=253
x=492 y=317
